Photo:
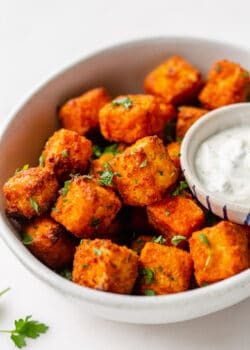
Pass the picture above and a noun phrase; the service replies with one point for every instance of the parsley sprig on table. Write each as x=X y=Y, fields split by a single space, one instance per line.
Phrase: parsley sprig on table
x=24 y=328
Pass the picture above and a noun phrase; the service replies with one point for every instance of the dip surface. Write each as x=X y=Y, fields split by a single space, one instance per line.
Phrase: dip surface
x=222 y=164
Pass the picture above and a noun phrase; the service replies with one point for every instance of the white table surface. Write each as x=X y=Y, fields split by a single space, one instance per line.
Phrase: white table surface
x=37 y=38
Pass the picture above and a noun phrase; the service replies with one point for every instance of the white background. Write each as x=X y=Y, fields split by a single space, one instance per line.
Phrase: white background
x=38 y=38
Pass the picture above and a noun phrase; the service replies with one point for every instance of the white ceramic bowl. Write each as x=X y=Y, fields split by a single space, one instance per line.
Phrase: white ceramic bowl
x=212 y=123
x=120 y=69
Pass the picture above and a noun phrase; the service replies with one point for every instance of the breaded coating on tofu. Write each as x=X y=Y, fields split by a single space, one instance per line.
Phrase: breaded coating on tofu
x=49 y=242
x=66 y=152
x=174 y=151
x=138 y=244
x=145 y=170
x=163 y=270
x=81 y=114
x=175 y=80
x=106 y=266
x=175 y=215
x=30 y=193
x=186 y=117
x=85 y=208
x=131 y=117
x=227 y=83
x=219 y=252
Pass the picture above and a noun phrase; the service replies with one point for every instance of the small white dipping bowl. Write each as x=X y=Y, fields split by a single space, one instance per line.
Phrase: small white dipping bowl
x=121 y=69
x=213 y=122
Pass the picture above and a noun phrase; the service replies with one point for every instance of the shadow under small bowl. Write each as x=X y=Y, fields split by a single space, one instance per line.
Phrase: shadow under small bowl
x=212 y=123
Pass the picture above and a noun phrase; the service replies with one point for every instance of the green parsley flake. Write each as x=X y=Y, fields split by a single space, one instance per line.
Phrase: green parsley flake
x=167 y=212
x=143 y=164
x=149 y=275
x=65 y=188
x=149 y=292
x=177 y=239
x=140 y=241
x=204 y=239
x=25 y=167
x=66 y=273
x=207 y=261
x=34 y=205
x=160 y=239
x=245 y=74
x=96 y=151
x=94 y=222
x=160 y=268
x=41 y=160
x=205 y=284
x=97 y=251
x=106 y=177
x=112 y=149
x=85 y=266
x=87 y=177
x=180 y=189
x=27 y=239
x=126 y=102
x=55 y=209
x=218 y=68
x=65 y=153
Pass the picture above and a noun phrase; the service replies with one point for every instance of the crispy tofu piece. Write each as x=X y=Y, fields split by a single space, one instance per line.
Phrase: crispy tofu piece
x=66 y=152
x=219 y=252
x=145 y=170
x=186 y=117
x=103 y=265
x=85 y=208
x=227 y=83
x=30 y=193
x=174 y=151
x=131 y=117
x=81 y=114
x=49 y=242
x=175 y=80
x=175 y=215
x=163 y=270
x=138 y=244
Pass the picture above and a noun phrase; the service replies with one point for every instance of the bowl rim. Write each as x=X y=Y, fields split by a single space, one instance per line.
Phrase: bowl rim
x=186 y=160
x=239 y=281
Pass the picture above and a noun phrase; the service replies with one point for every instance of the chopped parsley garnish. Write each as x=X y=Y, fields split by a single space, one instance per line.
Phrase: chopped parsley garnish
x=218 y=68
x=27 y=239
x=106 y=177
x=88 y=177
x=160 y=268
x=65 y=153
x=41 y=160
x=245 y=74
x=126 y=102
x=149 y=275
x=149 y=292
x=112 y=149
x=25 y=328
x=136 y=181
x=205 y=284
x=65 y=188
x=207 y=261
x=167 y=212
x=66 y=273
x=160 y=239
x=203 y=238
x=169 y=131
x=96 y=151
x=34 y=205
x=143 y=163
x=177 y=239
x=25 y=167
x=97 y=251
x=85 y=266
x=140 y=241
x=94 y=222
x=179 y=139
x=180 y=189
x=55 y=209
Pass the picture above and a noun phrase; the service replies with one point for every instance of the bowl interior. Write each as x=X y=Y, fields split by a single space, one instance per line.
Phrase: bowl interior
x=120 y=69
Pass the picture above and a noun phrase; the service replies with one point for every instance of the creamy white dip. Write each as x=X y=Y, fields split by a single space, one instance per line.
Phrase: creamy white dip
x=222 y=164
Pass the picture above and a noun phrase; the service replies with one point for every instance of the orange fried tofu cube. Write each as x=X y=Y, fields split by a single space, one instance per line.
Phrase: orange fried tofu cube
x=227 y=83
x=49 y=242
x=131 y=117
x=187 y=115
x=164 y=270
x=80 y=114
x=85 y=208
x=106 y=266
x=175 y=80
x=30 y=193
x=219 y=252
x=145 y=172
x=174 y=151
x=175 y=215
x=66 y=152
